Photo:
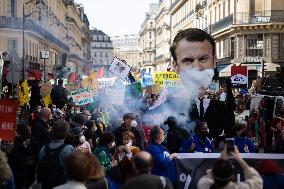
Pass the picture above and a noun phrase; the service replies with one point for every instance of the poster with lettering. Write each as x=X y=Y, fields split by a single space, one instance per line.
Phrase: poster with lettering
x=8 y=115
x=82 y=96
x=160 y=77
x=239 y=76
x=106 y=82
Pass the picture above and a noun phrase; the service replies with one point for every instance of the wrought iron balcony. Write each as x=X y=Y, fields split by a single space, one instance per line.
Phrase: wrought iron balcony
x=17 y=23
x=260 y=17
x=223 y=23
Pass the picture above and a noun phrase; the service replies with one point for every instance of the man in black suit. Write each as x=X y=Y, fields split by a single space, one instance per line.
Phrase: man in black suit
x=195 y=49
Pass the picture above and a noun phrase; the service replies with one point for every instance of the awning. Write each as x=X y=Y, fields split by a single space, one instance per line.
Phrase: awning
x=34 y=74
x=226 y=72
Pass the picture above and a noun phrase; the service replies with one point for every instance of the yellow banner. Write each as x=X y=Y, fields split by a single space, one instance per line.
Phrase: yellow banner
x=160 y=77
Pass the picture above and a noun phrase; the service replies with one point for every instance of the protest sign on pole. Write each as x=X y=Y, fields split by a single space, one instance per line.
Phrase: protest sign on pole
x=82 y=96
x=119 y=68
x=239 y=76
x=146 y=79
x=8 y=115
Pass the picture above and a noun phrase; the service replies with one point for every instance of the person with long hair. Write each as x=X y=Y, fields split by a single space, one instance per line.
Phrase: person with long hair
x=96 y=178
x=222 y=174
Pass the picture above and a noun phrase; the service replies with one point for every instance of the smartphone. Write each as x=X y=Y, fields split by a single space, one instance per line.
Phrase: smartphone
x=230 y=145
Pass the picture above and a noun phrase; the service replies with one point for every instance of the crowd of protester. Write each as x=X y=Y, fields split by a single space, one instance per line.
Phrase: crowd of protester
x=97 y=146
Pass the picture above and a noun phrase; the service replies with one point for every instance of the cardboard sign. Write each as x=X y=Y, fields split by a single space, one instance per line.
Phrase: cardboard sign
x=119 y=68
x=106 y=82
x=239 y=76
x=72 y=87
x=90 y=82
x=8 y=115
x=45 y=89
x=82 y=96
x=160 y=77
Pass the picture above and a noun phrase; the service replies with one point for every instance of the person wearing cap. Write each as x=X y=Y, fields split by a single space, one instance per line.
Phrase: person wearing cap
x=199 y=142
x=129 y=124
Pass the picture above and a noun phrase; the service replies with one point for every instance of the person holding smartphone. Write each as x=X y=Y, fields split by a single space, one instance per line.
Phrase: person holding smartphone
x=222 y=174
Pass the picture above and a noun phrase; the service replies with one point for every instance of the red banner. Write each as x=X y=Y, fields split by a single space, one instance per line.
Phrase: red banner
x=239 y=76
x=8 y=113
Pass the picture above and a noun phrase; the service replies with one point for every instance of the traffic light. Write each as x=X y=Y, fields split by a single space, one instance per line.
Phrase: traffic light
x=263 y=67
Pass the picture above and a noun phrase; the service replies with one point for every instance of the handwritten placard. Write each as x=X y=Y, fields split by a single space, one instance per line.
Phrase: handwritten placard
x=82 y=96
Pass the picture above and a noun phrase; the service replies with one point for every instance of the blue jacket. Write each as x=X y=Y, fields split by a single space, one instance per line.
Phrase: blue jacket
x=207 y=147
x=163 y=165
x=244 y=144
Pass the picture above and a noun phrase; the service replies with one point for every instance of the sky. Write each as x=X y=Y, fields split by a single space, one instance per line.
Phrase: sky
x=116 y=17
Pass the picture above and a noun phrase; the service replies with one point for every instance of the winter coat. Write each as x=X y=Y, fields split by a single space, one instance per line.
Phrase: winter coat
x=162 y=164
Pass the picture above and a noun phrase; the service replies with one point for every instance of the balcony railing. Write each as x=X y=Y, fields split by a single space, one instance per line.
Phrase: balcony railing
x=17 y=23
x=223 y=23
x=260 y=17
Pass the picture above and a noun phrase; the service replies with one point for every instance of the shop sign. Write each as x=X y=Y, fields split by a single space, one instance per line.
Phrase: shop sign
x=251 y=59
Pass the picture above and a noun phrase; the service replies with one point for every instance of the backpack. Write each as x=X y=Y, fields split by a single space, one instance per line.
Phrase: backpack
x=49 y=171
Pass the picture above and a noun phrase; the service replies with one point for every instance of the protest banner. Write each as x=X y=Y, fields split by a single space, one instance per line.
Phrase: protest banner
x=119 y=68
x=72 y=87
x=8 y=115
x=160 y=77
x=82 y=96
x=239 y=76
x=192 y=166
x=90 y=82
x=106 y=82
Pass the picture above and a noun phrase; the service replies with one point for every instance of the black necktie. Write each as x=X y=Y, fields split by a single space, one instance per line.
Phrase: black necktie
x=201 y=112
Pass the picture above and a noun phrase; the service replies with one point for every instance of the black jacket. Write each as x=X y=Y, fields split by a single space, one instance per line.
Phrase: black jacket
x=40 y=132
